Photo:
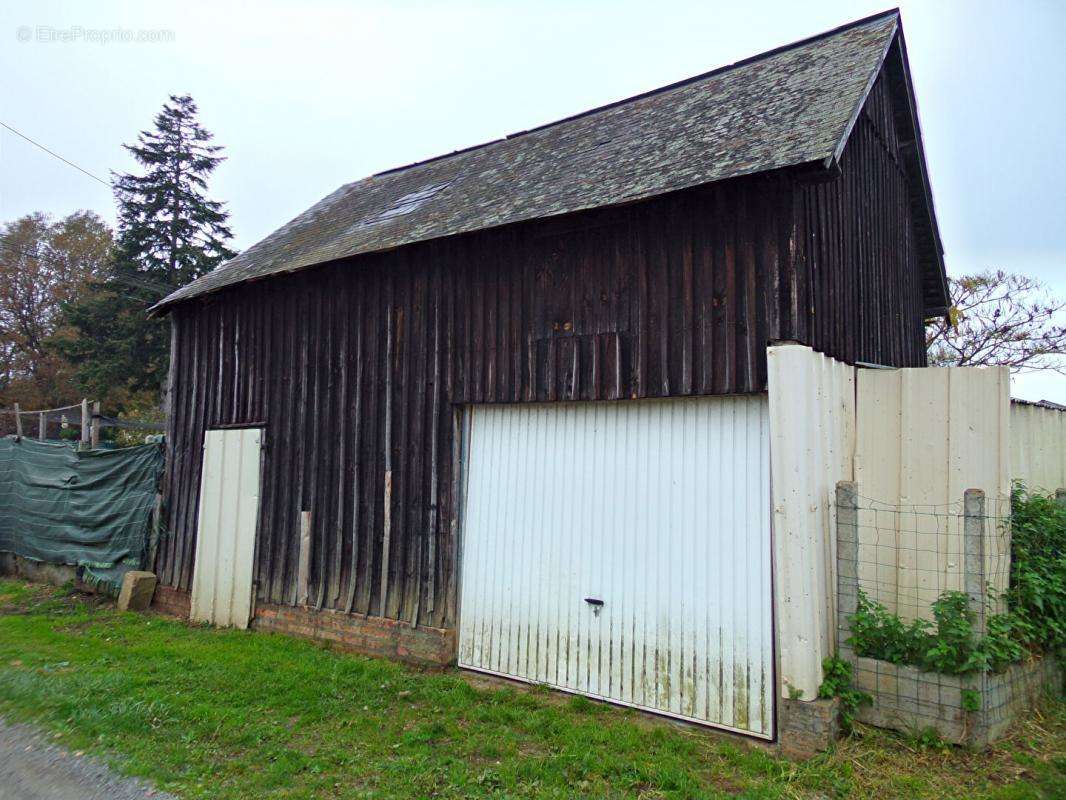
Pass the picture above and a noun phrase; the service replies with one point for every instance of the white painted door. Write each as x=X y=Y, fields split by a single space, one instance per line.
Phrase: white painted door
x=622 y=551
x=225 y=537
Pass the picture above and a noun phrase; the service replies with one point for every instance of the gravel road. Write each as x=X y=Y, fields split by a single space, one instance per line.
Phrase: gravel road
x=32 y=768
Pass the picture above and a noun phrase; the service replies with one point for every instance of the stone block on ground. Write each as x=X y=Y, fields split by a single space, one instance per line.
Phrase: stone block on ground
x=137 y=590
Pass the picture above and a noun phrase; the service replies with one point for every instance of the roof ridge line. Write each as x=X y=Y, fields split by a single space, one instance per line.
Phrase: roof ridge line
x=651 y=92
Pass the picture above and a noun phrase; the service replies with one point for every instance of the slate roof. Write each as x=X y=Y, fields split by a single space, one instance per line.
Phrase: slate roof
x=791 y=106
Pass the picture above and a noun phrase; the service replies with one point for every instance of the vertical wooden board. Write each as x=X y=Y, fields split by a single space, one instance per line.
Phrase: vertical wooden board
x=417 y=476
x=361 y=473
x=342 y=426
x=688 y=301
x=322 y=477
x=490 y=329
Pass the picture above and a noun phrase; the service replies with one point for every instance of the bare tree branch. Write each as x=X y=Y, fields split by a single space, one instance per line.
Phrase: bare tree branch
x=999 y=318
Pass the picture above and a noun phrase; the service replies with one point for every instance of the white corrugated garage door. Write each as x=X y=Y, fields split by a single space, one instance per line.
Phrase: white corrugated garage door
x=622 y=551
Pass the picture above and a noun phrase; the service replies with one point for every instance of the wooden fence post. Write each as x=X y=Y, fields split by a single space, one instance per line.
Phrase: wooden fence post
x=973 y=535
x=18 y=422
x=84 y=421
x=847 y=497
x=94 y=435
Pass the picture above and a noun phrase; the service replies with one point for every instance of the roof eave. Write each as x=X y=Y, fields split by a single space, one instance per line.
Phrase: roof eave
x=937 y=303
x=944 y=299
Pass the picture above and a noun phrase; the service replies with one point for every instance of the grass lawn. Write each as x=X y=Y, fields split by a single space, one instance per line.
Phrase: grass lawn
x=233 y=714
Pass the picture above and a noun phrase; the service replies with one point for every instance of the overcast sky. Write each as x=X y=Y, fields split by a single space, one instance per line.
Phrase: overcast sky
x=307 y=96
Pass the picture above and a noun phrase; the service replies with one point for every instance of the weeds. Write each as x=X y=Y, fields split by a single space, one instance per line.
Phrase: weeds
x=837 y=682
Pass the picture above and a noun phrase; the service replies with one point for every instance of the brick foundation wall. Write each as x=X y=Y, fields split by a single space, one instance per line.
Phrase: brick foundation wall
x=372 y=636
x=174 y=602
x=386 y=638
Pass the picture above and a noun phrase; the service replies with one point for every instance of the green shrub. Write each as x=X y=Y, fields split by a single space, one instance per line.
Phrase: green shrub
x=876 y=630
x=948 y=645
x=1037 y=594
x=953 y=648
x=836 y=682
x=1034 y=622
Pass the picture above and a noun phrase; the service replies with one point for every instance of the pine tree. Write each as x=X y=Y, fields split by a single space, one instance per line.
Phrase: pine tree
x=169 y=233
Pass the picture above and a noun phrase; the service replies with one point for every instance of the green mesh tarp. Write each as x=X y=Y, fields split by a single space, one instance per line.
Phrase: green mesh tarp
x=91 y=509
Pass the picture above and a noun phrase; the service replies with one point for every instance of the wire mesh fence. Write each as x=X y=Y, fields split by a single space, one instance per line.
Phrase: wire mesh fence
x=81 y=422
x=66 y=422
x=908 y=556
x=926 y=576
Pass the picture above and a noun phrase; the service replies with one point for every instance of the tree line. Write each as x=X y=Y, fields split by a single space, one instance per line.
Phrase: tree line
x=74 y=294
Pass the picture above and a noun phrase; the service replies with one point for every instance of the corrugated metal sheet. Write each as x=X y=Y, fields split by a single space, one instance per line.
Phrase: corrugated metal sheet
x=812 y=439
x=1038 y=446
x=229 y=510
x=925 y=436
x=660 y=510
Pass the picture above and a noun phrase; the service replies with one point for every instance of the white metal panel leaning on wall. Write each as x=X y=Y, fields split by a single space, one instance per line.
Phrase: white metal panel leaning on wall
x=225 y=538
x=1038 y=446
x=812 y=438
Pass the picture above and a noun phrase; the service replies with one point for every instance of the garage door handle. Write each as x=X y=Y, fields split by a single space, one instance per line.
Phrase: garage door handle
x=592 y=601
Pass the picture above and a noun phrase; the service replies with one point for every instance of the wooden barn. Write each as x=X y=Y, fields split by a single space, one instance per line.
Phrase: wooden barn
x=508 y=407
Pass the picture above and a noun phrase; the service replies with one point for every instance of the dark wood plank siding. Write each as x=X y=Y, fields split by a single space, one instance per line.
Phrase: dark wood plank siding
x=858 y=260
x=358 y=367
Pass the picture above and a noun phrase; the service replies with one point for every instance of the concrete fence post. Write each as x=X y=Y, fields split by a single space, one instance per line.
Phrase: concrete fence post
x=973 y=535
x=42 y=425
x=847 y=497
x=18 y=422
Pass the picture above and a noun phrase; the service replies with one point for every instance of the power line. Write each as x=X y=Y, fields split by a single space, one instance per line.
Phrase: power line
x=56 y=155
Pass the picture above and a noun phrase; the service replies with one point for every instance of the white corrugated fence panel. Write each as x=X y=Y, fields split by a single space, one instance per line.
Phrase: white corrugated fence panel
x=925 y=436
x=659 y=509
x=1038 y=446
x=812 y=440
x=225 y=539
